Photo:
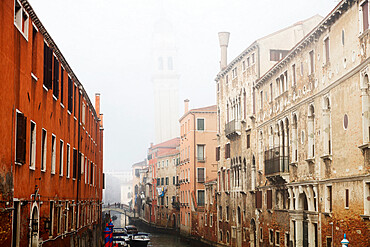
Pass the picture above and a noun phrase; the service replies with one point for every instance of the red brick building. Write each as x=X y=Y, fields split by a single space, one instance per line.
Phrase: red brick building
x=51 y=154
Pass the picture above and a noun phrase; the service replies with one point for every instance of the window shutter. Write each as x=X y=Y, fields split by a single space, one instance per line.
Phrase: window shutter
x=217 y=153
x=45 y=63
x=201 y=175
x=365 y=15
x=75 y=163
x=21 y=138
x=56 y=78
x=269 y=199
x=258 y=199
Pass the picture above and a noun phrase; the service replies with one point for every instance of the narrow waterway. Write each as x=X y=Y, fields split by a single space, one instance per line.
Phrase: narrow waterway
x=157 y=238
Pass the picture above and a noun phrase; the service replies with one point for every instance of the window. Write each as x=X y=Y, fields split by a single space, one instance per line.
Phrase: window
x=200 y=197
x=252 y=58
x=347 y=198
x=248 y=140
x=158 y=181
x=91 y=173
x=56 y=78
x=53 y=154
x=61 y=153
x=277 y=238
x=248 y=62
x=276 y=55
x=200 y=175
x=217 y=153
x=34 y=50
x=294 y=75
x=365 y=15
x=200 y=152
x=70 y=95
x=83 y=113
x=68 y=163
x=261 y=234
x=75 y=161
x=227 y=79
x=269 y=199
x=227 y=213
x=312 y=69
x=33 y=145
x=61 y=85
x=20 y=147
x=258 y=198
x=21 y=19
x=167 y=180
x=48 y=56
x=326 y=48
x=366 y=198
x=162 y=181
x=200 y=124
x=271 y=93
x=234 y=72
x=243 y=65
x=227 y=151
x=51 y=210
x=220 y=213
x=43 y=150
x=328 y=242
x=261 y=100
x=170 y=63
x=329 y=198
x=271 y=236
x=210 y=220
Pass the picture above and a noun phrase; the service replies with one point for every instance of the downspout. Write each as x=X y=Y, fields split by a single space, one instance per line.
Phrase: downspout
x=78 y=153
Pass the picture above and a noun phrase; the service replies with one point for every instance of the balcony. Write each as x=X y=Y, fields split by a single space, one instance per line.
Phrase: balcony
x=276 y=164
x=232 y=128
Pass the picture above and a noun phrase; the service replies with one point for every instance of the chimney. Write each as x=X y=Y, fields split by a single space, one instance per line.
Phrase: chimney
x=186 y=104
x=97 y=108
x=97 y=104
x=223 y=38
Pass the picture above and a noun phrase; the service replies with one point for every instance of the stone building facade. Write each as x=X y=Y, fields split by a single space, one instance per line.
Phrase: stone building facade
x=294 y=169
x=237 y=152
x=52 y=140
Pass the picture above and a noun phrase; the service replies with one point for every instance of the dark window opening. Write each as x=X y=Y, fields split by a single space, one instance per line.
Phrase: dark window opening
x=48 y=56
x=56 y=78
x=21 y=138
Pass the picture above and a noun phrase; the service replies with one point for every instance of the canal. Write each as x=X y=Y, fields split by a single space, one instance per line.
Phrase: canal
x=158 y=238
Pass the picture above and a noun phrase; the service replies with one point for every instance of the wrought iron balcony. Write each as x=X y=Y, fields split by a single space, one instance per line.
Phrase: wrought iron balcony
x=276 y=162
x=233 y=128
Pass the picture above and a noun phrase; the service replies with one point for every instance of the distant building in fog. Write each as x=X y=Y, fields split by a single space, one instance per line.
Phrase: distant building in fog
x=165 y=81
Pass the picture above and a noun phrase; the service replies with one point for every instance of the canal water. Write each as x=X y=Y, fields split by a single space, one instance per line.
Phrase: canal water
x=157 y=238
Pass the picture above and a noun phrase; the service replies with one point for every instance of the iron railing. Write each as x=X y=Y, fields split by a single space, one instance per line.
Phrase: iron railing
x=275 y=162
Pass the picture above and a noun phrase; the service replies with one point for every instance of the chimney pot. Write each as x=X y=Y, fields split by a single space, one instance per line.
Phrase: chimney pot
x=223 y=38
x=186 y=104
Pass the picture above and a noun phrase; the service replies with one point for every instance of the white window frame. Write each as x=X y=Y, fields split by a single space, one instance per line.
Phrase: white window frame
x=61 y=157
x=53 y=153
x=33 y=146
x=276 y=238
x=204 y=124
x=68 y=161
x=360 y=16
x=19 y=20
x=44 y=150
x=204 y=152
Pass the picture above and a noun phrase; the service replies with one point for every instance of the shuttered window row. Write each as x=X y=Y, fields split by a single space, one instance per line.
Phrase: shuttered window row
x=48 y=56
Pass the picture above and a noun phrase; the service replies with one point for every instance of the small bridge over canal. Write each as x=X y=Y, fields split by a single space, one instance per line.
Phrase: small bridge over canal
x=120 y=208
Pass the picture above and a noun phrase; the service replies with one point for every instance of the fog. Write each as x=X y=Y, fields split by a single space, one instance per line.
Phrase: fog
x=108 y=45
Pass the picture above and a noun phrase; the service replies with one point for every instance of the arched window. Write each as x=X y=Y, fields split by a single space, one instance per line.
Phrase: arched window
x=295 y=139
x=311 y=132
x=327 y=126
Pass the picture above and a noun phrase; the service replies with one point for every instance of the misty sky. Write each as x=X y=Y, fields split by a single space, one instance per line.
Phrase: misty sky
x=108 y=45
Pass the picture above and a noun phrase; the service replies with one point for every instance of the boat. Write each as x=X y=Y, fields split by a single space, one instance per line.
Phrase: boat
x=140 y=239
x=130 y=229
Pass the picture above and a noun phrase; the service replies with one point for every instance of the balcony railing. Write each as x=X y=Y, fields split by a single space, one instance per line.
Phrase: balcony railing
x=232 y=128
x=275 y=162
